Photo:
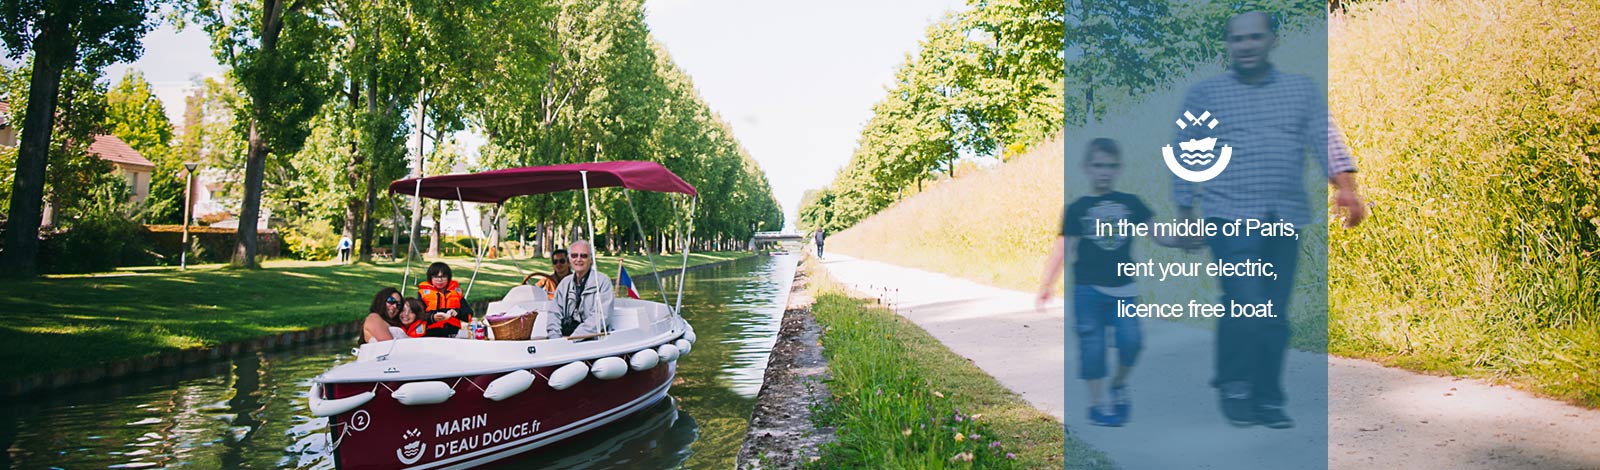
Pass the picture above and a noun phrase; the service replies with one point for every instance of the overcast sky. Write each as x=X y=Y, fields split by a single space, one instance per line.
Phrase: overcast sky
x=796 y=80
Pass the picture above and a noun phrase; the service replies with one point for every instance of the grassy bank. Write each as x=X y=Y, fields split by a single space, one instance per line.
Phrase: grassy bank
x=900 y=399
x=62 y=322
x=1475 y=123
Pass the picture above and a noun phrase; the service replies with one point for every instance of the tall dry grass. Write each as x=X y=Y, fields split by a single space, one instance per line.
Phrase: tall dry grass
x=1478 y=124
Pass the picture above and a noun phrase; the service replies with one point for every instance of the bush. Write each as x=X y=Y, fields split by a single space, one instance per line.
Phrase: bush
x=310 y=239
x=100 y=240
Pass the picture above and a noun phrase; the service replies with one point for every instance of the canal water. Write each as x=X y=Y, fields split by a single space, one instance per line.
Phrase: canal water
x=250 y=411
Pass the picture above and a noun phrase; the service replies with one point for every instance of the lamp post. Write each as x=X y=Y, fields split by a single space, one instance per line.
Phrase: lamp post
x=188 y=190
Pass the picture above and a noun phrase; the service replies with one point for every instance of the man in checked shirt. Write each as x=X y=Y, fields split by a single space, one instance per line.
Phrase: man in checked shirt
x=1273 y=120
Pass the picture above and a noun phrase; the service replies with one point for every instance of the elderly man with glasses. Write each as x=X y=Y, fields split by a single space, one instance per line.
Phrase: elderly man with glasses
x=582 y=299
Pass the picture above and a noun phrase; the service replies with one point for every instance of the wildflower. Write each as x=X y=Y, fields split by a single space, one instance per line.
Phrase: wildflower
x=937 y=394
x=958 y=417
x=962 y=457
x=994 y=445
x=975 y=417
x=880 y=392
x=975 y=437
x=960 y=437
x=1011 y=456
x=906 y=432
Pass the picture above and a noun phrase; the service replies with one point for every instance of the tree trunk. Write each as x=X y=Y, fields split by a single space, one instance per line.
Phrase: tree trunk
x=372 y=169
x=433 y=241
x=53 y=53
x=416 y=206
x=255 y=169
x=352 y=175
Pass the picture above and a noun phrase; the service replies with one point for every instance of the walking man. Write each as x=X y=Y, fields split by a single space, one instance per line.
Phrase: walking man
x=819 y=236
x=1274 y=120
x=344 y=249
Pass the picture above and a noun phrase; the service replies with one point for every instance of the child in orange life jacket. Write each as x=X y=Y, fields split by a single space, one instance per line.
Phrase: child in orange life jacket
x=445 y=307
x=409 y=321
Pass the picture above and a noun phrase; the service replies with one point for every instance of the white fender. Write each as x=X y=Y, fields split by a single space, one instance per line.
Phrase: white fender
x=423 y=393
x=508 y=385
x=608 y=368
x=668 y=352
x=683 y=346
x=689 y=335
x=644 y=360
x=330 y=407
x=568 y=375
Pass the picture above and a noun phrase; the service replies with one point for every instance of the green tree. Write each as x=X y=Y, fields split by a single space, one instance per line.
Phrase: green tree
x=278 y=51
x=136 y=116
x=61 y=36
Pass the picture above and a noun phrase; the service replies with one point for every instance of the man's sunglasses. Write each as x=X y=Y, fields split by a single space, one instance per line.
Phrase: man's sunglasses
x=392 y=301
x=559 y=261
x=580 y=255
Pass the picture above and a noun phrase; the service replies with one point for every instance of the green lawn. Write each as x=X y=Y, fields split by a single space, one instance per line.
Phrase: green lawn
x=900 y=398
x=63 y=322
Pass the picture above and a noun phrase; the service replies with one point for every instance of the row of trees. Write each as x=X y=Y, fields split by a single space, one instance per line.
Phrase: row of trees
x=1006 y=75
x=322 y=97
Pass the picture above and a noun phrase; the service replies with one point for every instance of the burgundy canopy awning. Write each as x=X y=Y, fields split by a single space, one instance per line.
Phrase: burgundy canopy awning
x=498 y=185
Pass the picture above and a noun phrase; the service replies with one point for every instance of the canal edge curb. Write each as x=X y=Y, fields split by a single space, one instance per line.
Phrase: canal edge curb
x=123 y=368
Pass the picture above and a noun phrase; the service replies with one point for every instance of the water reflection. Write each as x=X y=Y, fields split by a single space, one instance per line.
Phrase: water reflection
x=250 y=411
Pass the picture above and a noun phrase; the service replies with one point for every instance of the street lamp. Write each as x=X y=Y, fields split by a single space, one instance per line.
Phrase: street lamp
x=188 y=190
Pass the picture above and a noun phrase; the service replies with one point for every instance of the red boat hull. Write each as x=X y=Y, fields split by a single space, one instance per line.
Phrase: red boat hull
x=469 y=430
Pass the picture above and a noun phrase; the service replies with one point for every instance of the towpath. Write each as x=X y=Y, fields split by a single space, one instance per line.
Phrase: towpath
x=1376 y=417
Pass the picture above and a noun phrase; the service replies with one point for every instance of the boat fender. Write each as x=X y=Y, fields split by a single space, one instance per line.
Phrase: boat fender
x=609 y=368
x=508 y=385
x=683 y=346
x=568 y=375
x=645 y=359
x=323 y=407
x=668 y=352
x=689 y=335
x=423 y=393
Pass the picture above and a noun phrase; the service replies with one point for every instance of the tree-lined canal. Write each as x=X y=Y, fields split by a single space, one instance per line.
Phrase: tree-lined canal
x=250 y=411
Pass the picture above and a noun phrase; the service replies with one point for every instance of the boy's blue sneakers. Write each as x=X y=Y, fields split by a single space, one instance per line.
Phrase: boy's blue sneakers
x=1122 y=402
x=1101 y=416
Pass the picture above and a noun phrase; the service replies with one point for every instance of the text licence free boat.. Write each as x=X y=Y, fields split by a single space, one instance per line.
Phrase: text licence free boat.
x=458 y=403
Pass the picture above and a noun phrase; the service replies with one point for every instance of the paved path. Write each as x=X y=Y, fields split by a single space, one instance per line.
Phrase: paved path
x=1375 y=417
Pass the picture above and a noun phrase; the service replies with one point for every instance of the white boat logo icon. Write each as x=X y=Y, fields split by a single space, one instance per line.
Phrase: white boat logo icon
x=1197 y=152
x=411 y=453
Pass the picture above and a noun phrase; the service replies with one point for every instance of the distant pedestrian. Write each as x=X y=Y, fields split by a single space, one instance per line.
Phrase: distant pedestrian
x=819 y=236
x=344 y=249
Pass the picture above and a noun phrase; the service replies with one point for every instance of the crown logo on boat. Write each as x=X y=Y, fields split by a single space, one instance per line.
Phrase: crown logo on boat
x=1198 y=162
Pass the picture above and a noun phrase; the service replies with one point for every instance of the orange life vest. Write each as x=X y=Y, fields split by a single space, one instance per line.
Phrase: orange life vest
x=416 y=329
x=435 y=300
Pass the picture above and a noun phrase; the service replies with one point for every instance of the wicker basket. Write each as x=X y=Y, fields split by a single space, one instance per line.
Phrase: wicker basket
x=517 y=328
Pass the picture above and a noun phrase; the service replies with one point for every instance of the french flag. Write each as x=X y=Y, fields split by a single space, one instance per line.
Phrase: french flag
x=627 y=283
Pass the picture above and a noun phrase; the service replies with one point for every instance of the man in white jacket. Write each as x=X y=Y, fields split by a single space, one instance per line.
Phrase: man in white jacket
x=583 y=299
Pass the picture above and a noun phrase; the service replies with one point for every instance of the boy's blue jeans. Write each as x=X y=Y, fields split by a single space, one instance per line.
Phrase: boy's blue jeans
x=1093 y=311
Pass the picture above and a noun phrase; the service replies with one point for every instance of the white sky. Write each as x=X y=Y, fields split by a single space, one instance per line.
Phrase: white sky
x=795 y=80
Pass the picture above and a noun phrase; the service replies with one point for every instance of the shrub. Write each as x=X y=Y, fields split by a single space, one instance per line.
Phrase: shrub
x=310 y=239
x=99 y=240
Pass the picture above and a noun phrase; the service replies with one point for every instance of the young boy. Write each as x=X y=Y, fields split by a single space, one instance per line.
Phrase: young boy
x=1097 y=288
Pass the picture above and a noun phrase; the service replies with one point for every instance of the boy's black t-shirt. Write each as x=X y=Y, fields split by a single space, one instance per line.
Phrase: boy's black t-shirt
x=1096 y=264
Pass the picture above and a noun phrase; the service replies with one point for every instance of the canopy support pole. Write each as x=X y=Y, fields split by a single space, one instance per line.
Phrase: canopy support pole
x=656 y=272
x=594 y=254
x=476 y=249
x=687 y=245
x=416 y=197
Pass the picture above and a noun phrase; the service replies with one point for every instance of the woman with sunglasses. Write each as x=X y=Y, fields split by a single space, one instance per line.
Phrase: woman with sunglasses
x=384 y=313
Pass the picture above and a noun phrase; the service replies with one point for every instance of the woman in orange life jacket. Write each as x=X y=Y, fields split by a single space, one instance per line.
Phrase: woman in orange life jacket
x=384 y=313
x=445 y=307
x=411 y=319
